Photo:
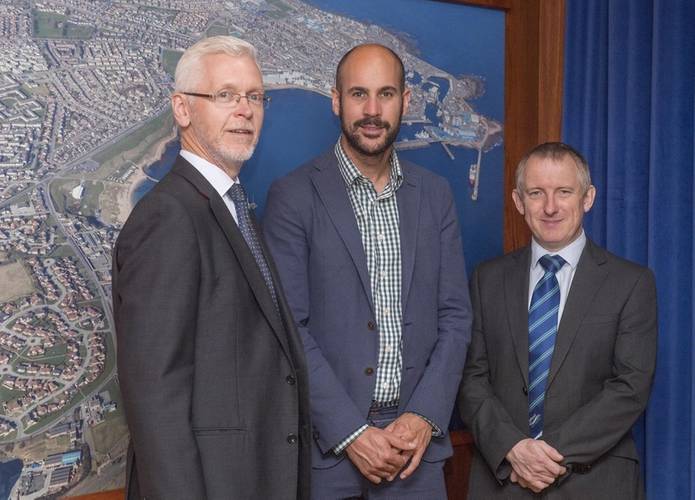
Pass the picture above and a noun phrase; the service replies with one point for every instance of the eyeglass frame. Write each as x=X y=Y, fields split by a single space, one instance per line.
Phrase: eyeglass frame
x=235 y=98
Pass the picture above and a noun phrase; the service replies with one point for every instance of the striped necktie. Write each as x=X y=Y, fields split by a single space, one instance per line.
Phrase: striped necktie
x=542 y=328
x=238 y=195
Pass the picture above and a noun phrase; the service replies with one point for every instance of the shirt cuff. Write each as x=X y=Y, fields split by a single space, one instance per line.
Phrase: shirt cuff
x=337 y=450
x=436 y=431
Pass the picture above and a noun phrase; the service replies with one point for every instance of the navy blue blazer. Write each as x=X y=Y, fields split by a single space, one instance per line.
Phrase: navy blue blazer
x=312 y=233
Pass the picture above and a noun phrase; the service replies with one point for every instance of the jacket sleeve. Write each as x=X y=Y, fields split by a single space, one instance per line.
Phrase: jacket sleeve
x=156 y=274
x=334 y=415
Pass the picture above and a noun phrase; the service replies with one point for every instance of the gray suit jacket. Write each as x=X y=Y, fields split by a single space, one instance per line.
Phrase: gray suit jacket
x=599 y=381
x=312 y=231
x=213 y=378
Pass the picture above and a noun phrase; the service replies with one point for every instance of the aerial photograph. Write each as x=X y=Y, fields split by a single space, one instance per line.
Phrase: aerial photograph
x=86 y=130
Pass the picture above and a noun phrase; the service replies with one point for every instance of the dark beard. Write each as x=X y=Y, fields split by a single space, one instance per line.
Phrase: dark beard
x=354 y=139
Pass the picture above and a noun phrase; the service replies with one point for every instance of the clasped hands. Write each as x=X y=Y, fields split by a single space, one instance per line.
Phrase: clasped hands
x=535 y=464
x=381 y=453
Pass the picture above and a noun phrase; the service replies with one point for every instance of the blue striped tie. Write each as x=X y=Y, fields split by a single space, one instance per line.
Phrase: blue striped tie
x=542 y=327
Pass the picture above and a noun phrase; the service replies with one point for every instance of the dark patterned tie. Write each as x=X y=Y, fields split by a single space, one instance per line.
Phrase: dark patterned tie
x=248 y=230
x=542 y=327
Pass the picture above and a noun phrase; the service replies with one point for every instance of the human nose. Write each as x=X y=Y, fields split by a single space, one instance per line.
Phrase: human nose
x=550 y=206
x=372 y=106
x=243 y=106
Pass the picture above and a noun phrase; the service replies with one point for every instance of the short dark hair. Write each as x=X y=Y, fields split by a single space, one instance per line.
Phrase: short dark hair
x=345 y=57
x=555 y=151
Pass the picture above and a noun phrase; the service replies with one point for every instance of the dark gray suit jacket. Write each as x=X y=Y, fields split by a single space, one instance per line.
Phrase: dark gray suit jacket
x=213 y=378
x=599 y=382
x=312 y=231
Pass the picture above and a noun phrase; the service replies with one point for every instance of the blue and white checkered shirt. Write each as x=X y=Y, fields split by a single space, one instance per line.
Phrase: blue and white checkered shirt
x=378 y=223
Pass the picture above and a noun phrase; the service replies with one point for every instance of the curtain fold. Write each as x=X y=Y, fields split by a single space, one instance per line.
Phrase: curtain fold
x=629 y=106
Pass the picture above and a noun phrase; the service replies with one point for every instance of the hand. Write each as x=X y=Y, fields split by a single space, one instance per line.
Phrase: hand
x=414 y=428
x=535 y=464
x=379 y=454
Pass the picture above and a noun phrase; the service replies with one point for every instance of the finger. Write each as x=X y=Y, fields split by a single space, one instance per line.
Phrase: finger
x=556 y=469
x=398 y=442
x=406 y=434
x=372 y=478
x=514 y=478
x=551 y=452
x=396 y=461
x=543 y=482
x=402 y=431
x=414 y=463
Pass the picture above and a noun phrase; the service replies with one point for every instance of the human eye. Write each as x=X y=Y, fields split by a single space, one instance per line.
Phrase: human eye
x=255 y=98
x=225 y=96
x=534 y=194
x=387 y=93
x=358 y=94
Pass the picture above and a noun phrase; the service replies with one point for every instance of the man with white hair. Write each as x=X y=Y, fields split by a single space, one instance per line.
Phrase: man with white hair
x=210 y=364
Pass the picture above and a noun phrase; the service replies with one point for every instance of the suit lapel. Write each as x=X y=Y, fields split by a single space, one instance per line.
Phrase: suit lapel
x=408 y=198
x=235 y=239
x=516 y=298
x=587 y=280
x=331 y=189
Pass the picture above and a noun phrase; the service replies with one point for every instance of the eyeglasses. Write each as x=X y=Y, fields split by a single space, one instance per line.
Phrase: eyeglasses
x=230 y=99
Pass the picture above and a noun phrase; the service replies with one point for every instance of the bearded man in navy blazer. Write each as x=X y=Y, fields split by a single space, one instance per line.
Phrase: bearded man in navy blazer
x=368 y=247
x=563 y=351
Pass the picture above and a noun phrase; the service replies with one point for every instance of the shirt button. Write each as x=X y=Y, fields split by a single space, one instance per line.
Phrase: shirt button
x=387 y=311
x=292 y=438
x=385 y=385
x=380 y=237
x=388 y=348
x=368 y=371
x=290 y=380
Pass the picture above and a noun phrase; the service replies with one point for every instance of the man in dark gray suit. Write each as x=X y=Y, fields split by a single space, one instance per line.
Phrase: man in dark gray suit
x=563 y=350
x=210 y=364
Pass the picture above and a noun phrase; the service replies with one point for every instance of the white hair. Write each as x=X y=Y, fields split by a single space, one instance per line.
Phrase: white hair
x=189 y=70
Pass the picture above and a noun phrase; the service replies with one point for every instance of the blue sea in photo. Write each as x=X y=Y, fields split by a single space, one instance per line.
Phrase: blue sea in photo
x=299 y=124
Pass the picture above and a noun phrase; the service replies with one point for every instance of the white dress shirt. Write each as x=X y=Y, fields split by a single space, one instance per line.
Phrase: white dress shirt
x=565 y=275
x=217 y=177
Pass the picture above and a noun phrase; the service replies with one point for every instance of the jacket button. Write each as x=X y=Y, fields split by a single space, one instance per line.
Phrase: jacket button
x=292 y=438
x=369 y=370
x=525 y=390
x=371 y=325
x=290 y=380
x=316 y=434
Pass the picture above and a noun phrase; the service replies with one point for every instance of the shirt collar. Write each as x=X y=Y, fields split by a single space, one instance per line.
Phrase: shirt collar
x=217 y=177
x=571 y=253
x=351 y=173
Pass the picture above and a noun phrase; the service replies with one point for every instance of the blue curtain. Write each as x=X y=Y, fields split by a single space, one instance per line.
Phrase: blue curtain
x=629 y=106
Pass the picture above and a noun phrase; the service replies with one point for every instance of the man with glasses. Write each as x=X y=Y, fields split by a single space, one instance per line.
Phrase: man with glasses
x=370 y=247
x=210 y=364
